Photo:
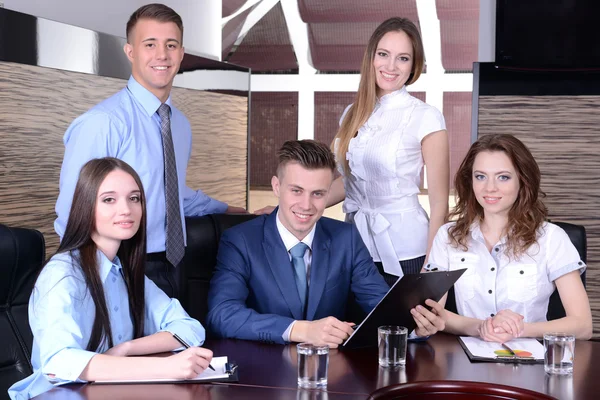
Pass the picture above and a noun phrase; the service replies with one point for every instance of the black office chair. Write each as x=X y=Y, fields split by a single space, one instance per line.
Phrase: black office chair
x=555 y=308
x=203 y=236
x=579 y=239
x=22 y=253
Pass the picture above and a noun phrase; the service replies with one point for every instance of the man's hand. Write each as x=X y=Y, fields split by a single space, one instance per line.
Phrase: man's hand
x=429 y=322
x=189 y=363
x=236 y=210
x=120 y=350
x=507 y=321
x=328 y=331
x=486 y=332
x=265 y=210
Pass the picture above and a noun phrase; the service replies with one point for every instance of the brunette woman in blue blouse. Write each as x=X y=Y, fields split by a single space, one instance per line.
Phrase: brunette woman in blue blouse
x=92 y=306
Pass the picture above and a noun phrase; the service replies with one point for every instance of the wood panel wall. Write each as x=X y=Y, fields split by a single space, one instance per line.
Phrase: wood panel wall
x=38 y=104
x=563 y=133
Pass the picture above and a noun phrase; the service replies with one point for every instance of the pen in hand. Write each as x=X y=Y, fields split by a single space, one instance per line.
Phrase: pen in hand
x=187 y=346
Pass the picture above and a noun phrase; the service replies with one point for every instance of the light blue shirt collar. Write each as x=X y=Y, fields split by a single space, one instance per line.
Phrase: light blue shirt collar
x=105 y=265
x=147 y=100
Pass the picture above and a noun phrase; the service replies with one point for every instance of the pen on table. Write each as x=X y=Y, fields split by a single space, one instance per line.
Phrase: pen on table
x=515 y=354
x=509 y=349
x=187 y=346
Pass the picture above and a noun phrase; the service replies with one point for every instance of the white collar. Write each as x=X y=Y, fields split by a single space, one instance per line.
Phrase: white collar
x=396 y=97
x=288 y=238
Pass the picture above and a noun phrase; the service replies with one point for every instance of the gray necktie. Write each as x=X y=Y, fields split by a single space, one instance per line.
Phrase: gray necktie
x=297 y=253
x=174 y=244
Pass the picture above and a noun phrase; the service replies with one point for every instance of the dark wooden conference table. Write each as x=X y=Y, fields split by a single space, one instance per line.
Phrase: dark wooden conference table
x=270 y=372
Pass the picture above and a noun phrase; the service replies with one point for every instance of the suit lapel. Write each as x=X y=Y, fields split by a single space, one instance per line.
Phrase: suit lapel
x=319 y=270
x=281 y=266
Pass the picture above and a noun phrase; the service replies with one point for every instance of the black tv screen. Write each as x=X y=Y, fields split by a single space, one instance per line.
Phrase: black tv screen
x=548 y=34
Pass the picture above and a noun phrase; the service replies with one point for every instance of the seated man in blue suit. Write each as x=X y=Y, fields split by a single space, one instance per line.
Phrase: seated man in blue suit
x=285 y=277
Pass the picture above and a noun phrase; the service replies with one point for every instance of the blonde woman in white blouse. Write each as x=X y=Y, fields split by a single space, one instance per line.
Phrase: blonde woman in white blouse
x=514 y=259
x=385 y=138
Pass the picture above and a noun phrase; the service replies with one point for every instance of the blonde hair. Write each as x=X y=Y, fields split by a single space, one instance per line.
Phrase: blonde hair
x=366 y=97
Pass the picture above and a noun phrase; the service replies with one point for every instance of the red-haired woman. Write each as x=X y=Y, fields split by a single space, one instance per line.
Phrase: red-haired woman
x=514 y=258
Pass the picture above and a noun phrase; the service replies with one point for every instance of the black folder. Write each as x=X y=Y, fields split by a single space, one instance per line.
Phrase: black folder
x=394 y=308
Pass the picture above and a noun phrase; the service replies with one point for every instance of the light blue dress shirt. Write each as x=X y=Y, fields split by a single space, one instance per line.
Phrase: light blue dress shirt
x=127 y=126
x=61 y=316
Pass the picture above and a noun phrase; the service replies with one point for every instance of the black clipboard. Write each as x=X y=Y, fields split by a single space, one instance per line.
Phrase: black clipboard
x=498 y=359
x=394 y=308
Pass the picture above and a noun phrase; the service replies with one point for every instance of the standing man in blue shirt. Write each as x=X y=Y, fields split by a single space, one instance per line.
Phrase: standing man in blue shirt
x=140 y=126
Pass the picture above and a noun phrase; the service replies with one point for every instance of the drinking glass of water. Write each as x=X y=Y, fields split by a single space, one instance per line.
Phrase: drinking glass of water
x=313 y=363
x=559 y=353
x=392 y=345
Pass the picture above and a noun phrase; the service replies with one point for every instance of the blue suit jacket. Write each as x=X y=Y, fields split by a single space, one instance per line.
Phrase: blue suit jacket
x=253 y=292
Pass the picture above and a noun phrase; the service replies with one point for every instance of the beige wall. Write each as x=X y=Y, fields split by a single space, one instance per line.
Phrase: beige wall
x=562 y=134
x=38 y=104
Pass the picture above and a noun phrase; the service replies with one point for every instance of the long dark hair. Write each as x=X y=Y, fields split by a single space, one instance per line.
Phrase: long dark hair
x=527 y=213
x=132 y=252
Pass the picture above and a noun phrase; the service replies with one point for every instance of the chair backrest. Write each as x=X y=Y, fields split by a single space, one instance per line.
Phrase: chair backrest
x=555 y=308
x=203 y=236
x=458 y=390
x=579 y=239
x=22 y=253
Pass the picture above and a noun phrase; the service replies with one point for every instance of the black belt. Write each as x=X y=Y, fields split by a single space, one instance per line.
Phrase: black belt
x=160 y=256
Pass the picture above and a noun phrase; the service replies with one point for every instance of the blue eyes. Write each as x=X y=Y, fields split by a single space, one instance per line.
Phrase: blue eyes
x=501 y=178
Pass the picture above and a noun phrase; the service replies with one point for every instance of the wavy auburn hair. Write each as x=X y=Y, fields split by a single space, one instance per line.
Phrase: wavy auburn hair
x=366 y=97
x=527 y=213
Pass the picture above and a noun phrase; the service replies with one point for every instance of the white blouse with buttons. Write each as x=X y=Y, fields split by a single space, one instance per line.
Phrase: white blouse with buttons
x=385 y=161
x=493 y=282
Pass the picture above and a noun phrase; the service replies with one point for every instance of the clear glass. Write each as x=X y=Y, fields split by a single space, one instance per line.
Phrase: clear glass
x=313 y=364
x=559 y=353
x=392 y=345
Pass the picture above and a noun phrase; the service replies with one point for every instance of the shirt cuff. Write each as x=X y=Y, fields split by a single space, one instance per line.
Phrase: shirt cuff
x=217 y=207
x=286 y=334
x=67 y=365
x=574 y=266
x=413 y=337
x=190 y=331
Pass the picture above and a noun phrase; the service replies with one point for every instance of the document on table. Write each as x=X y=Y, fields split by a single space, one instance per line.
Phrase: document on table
x=523 y=350
x=220 y=374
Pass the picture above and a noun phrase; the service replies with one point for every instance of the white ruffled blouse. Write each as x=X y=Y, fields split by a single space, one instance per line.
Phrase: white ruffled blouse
x=385 y=161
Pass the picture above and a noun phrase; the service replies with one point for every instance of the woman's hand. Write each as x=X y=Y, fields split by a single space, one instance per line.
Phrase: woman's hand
x=507 y=321
x=189 y=363
x=486 y=332
x=429 y=322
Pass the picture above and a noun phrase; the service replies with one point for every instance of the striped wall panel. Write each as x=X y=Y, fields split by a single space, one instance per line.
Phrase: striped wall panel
x=38 y=104
x=563 y=133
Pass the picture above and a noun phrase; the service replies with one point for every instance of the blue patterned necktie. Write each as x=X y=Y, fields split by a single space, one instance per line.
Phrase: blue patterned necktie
x=297 y=253
x=174 y=244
